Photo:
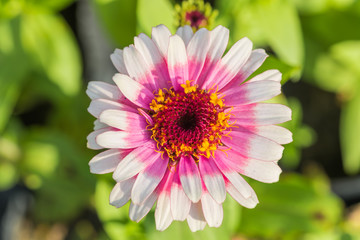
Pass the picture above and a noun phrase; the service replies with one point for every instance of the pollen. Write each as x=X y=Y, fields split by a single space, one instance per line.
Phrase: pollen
x=189 y=121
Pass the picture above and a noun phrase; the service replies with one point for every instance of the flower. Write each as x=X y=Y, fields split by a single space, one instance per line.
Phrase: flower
x=195 y=13
x=181 y=123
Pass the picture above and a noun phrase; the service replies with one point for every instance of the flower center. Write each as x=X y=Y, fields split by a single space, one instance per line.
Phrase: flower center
x=196 y=19
x=190 y=121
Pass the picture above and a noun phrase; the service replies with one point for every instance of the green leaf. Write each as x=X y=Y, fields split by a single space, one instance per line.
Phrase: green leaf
x=118 y=18
x=153 y=13
x=349 y=134
x=52 y=45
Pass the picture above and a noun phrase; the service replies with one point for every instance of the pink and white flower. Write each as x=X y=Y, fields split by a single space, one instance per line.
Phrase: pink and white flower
x=181 y=123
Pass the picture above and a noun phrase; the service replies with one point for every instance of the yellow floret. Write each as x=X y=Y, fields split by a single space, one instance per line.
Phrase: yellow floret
x=188 y=88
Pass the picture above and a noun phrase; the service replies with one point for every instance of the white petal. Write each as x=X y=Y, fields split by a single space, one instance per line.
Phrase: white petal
x=180 y=203
x=160 y=35
x=163 y=216
x=262 y=171
x=134 y=162
x=123 y=120
x=197 y=51
x=134 y=91
x=91 y=138
x=185 y=33
x=212 y=178
x=118 y=61
x=271 y=75
x=249 y=202
x=98 y=125
x=97 y=89
x=148 y=180
x=195 y=219
x=218 y=44
x=121 y=193
x=190 y=178
x=255 y=60
x=107 y=161
x=275 y=133
x=177 y=62
x=213 y=211
x=97 y=106
x=122 y=139
x=137 y=212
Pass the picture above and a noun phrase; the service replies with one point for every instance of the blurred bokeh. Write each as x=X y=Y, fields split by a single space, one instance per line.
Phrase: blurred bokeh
x=51 y=49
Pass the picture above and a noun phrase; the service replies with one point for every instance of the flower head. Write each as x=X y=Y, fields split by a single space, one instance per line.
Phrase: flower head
x=181 y=123
x=195 y=13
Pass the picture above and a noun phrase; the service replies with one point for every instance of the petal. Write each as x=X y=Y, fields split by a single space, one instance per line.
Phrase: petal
x=121 y=193
x=190 y=178
x=197 y=52
x=97 y=106
x=122 y=139
x=118 y=61
x=154 y=59
x=185 y=33
x=97 y=89
x=123 y=120
x=135 y=162
x=137 y=212
x=180 y=203
x=271 y=75
x=249 y=202
x=253 y=146
x=212 y=178
x=134 y=91
x=92 y=138
x=160 y=35
x=195 y=219
x=213 y=211
x=148 y=180
x=230 y=65
x=107 y=161
x=219 y=38
x=251 y=92
x=262 y=171
x=275 y=133
x=260 y=114
x=163 y=217
x=98 y=125
x=138 y=69
x=177 y=62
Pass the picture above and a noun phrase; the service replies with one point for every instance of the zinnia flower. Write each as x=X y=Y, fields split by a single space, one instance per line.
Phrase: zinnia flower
x=181 y=123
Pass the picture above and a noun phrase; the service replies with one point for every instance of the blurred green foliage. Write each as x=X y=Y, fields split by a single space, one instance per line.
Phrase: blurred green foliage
x=317 y=41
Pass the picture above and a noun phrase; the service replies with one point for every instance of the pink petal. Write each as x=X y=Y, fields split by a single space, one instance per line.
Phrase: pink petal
x=138 y=212
x=213 y=211
x=212 y=178
x=229 y=65
x=135 y=162
x=253 y=146
x=177 y=62
x=134 y=91
x=122 y=139
x=123 y=120
x=251 y=92
x=107 y=161
x=196 y=219
x=260 y=114
x=148 y=180
x=160 y=35
x=190 y=178
x=121 y=193
x=118 y=61
x=97 y=89
x=197 y=52
x=180 y=203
